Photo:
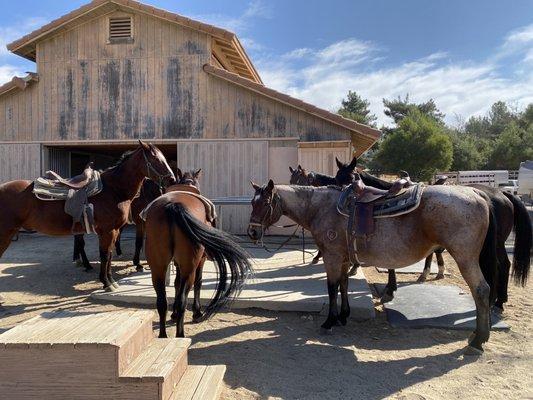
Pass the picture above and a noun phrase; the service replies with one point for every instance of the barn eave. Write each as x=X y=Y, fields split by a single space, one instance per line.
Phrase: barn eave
x=19 y=83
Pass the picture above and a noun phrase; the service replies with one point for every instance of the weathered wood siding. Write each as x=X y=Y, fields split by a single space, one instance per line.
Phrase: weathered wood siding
x=19 y=161
x=235 y=111
x=19 y=111
x=320 y=157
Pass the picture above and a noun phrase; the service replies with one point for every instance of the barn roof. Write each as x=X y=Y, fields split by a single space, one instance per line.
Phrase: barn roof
x=226 y=46
x=18 y=83
x=363 y=136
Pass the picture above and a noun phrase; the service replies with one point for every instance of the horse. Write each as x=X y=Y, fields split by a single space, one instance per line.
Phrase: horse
x=300 y=176
x=509 y=212
x=178 y=229
x=150 y=190
x=19 y=208
x=468 y=232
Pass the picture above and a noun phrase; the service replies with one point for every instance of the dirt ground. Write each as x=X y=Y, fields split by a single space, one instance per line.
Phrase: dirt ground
x=271 y=355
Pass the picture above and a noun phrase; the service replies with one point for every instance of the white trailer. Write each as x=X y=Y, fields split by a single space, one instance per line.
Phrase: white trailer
x=489 y=178
x=525 y=180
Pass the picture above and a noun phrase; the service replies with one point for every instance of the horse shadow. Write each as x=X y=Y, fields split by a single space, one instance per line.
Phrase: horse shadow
x=295 y=363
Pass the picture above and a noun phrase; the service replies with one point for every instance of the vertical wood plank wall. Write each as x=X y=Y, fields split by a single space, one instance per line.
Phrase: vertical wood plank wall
x=321 y=157
x=19 y=161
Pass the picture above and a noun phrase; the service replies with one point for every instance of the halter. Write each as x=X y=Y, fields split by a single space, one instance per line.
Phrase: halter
x=152 y=170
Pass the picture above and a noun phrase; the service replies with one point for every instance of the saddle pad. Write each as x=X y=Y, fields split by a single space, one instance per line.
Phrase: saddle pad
x=209 y=206
x=50 y=190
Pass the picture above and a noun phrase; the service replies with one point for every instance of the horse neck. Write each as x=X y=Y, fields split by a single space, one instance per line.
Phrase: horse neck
x=126 y=178
x=371 y=180
x=296 y=203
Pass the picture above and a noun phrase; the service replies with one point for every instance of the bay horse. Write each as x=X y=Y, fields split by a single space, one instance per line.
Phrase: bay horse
x=510 y=213
x=178 y=230
x=150 y=190
x=468 y=232
x=19 y=208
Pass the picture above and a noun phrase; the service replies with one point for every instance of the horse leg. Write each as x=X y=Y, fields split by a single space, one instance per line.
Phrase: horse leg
x=503 y=276
x=177 y=280
x=440 y=263
x=316 y=259
x=76 y=251
x=184 y=287
x=118 y=248
x=139 y=239
x=390 y=288
x=5 y=239
x=427 y=269
x=345 y=304
x=333 y=264
x=109 y=269
x=196 y=308
x=83 y=255
x=162 y=305
x=105 y=246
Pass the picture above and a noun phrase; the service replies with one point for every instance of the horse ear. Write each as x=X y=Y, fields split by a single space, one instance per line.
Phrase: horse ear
x=144 y=145
x=339 y=164
x=300 y=167
x=180 y=174
x=255 y=186
x=353 y=163
x=197 y=173
x=270 y=185
x=291 y=169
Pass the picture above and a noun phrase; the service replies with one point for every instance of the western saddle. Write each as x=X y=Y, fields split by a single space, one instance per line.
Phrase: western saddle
x=362 y=204
x=76 y=182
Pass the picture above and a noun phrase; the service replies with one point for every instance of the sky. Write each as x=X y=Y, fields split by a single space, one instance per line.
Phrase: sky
x=464 y=54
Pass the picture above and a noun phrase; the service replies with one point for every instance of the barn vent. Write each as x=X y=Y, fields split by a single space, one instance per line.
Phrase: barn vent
x=120 y=28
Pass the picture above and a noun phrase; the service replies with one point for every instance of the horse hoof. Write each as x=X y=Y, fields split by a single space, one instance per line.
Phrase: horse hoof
x=439 y=276
x=163 y=336
x=315 y=261
x=472 y=351
x=386 y=298
x=197 y=318
x=115 y=285
x=326 y=331
x=89 y=269
x=174 y=317
x=497 y=309
x=471 y=337
x=421 y=279
x=139 y=268
x=343 y=321
x=110 y=289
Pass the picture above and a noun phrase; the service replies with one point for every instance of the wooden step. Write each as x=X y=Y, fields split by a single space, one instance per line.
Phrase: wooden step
x=200 y=382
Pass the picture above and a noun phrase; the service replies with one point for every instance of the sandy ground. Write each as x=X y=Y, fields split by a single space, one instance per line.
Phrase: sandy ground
x=272 y=355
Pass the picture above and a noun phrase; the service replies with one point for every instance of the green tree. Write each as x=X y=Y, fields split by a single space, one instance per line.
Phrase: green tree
x=356 y=108
x=466 y=152
x=399 y=108
x=513 y=145
x=418 y=145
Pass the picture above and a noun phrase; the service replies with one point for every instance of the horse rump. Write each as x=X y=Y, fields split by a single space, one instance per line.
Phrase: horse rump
x=523 y=240
x=221 y=247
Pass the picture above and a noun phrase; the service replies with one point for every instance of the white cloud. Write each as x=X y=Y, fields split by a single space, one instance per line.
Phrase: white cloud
x=324 y=76
x=7 y=72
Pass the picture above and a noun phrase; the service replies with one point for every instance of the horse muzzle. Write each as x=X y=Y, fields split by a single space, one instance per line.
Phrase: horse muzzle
x=255 y=231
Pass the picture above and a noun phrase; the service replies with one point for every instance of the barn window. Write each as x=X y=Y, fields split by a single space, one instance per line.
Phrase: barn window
x=120 y=29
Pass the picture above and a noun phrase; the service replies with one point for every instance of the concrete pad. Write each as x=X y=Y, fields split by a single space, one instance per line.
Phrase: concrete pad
x=279 y=284
x=415 y=268
x=434 y=306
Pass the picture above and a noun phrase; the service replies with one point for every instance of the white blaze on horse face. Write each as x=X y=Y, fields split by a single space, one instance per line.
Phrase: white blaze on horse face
x=163 y=161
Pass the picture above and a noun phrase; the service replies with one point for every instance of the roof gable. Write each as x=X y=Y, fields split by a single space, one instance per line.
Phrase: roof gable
x=224 y=42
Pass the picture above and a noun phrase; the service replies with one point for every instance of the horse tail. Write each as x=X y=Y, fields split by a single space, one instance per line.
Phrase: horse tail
x=221 y=247
x=523 y=240
x=488 y=260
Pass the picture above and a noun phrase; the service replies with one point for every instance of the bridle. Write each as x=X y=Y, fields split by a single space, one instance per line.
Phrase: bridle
x=152 y=171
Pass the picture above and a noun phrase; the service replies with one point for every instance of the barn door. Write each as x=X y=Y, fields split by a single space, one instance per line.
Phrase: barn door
x=320 y=156
x=57 y=160
x=19 y=161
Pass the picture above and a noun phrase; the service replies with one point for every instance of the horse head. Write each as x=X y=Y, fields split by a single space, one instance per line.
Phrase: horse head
x=155 y=164
x=191 y=177
x=345 y=174
x=299 y=176
x=266 y=209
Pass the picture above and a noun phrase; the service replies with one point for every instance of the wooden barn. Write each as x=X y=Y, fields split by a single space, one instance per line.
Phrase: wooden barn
x=114 y=71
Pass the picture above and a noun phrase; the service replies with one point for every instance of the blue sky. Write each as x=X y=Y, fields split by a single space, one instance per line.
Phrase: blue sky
x=464 y=54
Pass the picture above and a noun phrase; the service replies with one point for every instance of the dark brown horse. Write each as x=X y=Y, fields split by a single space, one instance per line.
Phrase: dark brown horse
x=509 y=213
x=150 y=190
x=178 y=229
x=19 y=208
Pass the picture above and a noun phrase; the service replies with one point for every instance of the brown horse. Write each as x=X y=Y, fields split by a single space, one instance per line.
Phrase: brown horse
x=150 y=190
x=19 y=208
x=178 y=229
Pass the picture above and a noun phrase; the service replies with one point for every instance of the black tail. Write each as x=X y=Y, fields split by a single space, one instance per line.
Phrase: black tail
x=221 y=247
x=523 y=240
x=488 y=259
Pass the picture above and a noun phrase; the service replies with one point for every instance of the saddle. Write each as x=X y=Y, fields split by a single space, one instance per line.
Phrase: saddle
x=363 y=204
x=75 y=191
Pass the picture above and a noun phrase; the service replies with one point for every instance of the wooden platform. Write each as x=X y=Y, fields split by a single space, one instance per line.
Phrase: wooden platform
x=114 y=355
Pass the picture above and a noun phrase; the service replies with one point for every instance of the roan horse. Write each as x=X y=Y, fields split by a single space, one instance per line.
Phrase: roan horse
x=20 y=208
x=178 y=229
x=509 y=212
x=468 y=232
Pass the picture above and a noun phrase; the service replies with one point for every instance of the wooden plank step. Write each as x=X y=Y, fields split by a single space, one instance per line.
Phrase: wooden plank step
x=200 y=382
x=158 y=360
